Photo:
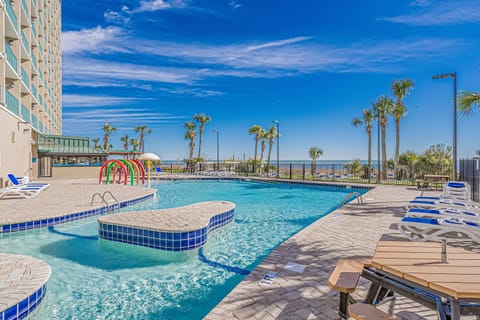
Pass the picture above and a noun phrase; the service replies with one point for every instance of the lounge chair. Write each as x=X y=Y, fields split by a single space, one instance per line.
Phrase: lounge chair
x=19 y=183
x=424 y=229
x=20 y=192
x=457 y=190
x=443 y=203
x=443 y=213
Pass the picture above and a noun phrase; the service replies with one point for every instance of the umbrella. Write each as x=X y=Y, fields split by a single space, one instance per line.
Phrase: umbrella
x=149 y=157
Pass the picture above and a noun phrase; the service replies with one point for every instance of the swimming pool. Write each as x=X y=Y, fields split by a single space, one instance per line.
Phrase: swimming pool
x=100 y=279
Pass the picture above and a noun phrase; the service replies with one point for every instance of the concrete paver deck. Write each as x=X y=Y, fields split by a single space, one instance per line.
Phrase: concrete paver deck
x=350 y=231
x=64 y=197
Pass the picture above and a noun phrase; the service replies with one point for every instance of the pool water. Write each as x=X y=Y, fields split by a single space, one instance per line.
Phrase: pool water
x=99 y=279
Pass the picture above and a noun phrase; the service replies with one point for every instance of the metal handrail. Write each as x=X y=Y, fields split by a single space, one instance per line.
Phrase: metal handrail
x=357 y=195
x=101 y=198
x=113 y=197
x=107 y=204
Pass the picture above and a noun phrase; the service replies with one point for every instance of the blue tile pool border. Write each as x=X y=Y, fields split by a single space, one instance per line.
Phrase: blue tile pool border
x=164 y=240
x=47 y=222
x=24 y=307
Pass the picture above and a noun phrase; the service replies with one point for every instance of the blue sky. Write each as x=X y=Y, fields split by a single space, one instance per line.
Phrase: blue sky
x=312 y=65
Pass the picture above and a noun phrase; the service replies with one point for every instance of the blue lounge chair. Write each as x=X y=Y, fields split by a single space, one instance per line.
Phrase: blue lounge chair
x=16 y=183
x=443 y=203
x=457 y=190
x=20 y=192
x=443 y=213
x=424 y=229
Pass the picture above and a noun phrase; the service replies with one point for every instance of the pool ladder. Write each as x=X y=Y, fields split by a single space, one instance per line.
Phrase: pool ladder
x=355 y=194
x=110 y=206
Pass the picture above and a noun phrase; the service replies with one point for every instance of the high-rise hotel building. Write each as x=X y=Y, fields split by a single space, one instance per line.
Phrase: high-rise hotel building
x=30 y=81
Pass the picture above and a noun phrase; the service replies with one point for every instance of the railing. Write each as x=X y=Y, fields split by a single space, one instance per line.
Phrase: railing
x=33 y=29
x=25 y=113
x=11 y=57
x=24 y=41
x=11 y=13
x=34 y=60
x=25 y=8
x=35 y=122
x=354 y=195
x=470 y=172
x=116 y=204
x=25 y=78
x=12 y=102
x=34 y=91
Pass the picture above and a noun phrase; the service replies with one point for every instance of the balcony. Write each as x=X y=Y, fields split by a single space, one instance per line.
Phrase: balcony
x=11 y=57
x=25 y=113
x=34 y=91
x=34 y=60
x=25 y=7
x=33 y=29
x=12 y=102
x=11 y=13
x=24 y=41
x=25 y=77
x=35 y=122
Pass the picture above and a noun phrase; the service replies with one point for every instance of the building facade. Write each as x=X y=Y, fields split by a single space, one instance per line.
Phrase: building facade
x=30 y=82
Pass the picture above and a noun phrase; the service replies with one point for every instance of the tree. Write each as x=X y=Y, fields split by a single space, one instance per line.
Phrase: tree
x=96 y=144
x=383 y=107
x=439 y=154
x=125 y=141
x=135 y=144
x=108 y=129
x=144 y=131
x=400 y=89
x=354 y=166
x=256 y=130
x=314 y=154
x=467 y=100
x=367 y=119
x=272 y=134
x=263 y=137
x=190 y=134
x=202 y=120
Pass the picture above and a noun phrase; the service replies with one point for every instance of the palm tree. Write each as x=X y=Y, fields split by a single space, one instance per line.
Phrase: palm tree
x=383 y=107
x=367 y=119
x=467 y=100
x=134 y=143
x=271 y=136
x=202 y=120
x=125 y=141
x=256 y=130
x=400 y=89
x=144 y=131
x=315 y=153
x=96 y=144
x=108 y=129
x=190 y=134
x=263 y=137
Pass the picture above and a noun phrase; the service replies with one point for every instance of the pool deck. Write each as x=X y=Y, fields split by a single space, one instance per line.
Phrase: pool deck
x=350 y=231
x=64 y=197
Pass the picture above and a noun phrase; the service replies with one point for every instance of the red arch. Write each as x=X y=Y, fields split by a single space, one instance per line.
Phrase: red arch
x=119 y=166
x=141 y=167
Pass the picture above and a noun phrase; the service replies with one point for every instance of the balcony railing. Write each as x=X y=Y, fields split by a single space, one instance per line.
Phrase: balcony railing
x=34 y=91
x=34 y=3
x=33 y=29
x=24 y=41
x=25 y=113
x=12 y=102
x=11 y=58
x=11 y=13
x=35 y=122
x=25 y=77
x=34 y=60
x=25 y=8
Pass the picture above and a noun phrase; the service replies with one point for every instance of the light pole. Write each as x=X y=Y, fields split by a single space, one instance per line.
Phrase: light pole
x=278 y=146
x=218 y=152
x=454 y=156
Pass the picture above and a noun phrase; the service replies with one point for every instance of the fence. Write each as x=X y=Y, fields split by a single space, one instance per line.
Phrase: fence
x=470 y=172
x=401 y=175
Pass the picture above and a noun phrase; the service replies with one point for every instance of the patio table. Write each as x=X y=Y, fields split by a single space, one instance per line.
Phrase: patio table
x=419 y=264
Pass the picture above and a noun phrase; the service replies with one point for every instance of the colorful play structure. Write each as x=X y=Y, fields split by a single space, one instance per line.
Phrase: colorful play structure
x=122 y=171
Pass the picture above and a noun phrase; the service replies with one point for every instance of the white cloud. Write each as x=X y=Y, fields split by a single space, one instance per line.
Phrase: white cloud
x=441 y=13
x=155 y=5
x=78 y=100
x=92 y=40
x=234 y=4
x=123 y=16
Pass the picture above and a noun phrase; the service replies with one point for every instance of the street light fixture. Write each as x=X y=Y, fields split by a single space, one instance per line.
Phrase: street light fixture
x=218 y=157
x=278 y=146
x=454 y=76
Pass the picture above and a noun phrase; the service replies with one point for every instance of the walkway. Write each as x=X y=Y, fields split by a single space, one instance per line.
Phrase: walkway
x=351 y=231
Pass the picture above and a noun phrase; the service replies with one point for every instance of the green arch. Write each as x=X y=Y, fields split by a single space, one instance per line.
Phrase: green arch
x=131 y=169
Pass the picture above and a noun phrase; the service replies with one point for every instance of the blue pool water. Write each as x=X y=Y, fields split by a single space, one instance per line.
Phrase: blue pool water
x=99 y=279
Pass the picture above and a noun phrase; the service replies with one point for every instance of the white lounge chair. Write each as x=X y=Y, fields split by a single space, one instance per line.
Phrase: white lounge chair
x=23 y=182
x=20 y=192
x=443 y=213
x=457 y=190
x=424 y=229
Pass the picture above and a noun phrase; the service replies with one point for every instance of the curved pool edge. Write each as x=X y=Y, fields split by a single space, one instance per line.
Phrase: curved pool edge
x=70 y=217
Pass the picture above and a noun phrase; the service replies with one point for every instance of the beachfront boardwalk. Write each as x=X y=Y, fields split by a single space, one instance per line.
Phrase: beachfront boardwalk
x=64 y=197
x=351 y=231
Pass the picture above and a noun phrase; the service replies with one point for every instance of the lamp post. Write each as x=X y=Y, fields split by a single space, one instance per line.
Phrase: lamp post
x=454 y=156
x=218 y=152
x=278 y=146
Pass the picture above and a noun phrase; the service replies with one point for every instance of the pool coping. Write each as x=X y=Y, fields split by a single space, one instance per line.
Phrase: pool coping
x=70 y=217
x=163 y=234
x=29 y=290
